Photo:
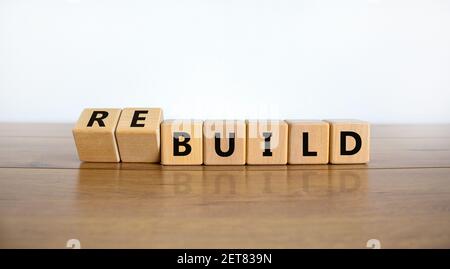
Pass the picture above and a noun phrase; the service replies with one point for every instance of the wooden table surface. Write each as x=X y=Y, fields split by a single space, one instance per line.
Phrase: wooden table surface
x=401 y=198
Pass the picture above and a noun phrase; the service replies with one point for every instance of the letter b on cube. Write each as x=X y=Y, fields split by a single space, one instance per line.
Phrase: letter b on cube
x=181 y=142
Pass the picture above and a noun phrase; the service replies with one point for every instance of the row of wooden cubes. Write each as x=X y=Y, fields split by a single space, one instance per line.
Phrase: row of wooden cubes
x=141 y=135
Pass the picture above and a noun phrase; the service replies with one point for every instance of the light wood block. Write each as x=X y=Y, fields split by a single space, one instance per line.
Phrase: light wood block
x=267 y=142
x=94 y=135
x=138 y=136
x=224 y=142
x=349 y=141
x=308 y=142
x=181 y=142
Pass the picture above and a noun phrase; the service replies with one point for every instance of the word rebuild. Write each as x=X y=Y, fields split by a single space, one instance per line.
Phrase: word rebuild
x=141 y=135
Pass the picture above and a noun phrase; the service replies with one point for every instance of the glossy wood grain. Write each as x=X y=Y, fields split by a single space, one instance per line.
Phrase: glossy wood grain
x=402 y=197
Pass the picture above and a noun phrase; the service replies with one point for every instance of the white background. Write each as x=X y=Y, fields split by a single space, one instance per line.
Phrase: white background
x=382 y=61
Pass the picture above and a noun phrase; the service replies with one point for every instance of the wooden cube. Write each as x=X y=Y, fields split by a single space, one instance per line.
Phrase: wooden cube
x=224 y=142
x=94 y=135
x=349 y=141
x=267 y=142
x=181 y=142
x=138 y=136
x=308 y=142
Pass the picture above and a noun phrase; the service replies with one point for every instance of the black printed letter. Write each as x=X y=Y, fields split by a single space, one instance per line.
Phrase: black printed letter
x=184 y=143
x=99 y=120
x=136 y=118
x=306 y=151
x=230 y=147
x=267 y=151
x=358 y=143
